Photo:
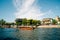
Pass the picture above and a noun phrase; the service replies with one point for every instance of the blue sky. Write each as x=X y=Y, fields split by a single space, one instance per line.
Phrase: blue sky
x=31 y=9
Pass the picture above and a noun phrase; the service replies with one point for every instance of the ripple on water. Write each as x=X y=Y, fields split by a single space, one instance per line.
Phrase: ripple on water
x=36 y=34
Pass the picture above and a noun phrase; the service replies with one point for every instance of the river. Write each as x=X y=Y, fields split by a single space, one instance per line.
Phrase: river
x=36 y=34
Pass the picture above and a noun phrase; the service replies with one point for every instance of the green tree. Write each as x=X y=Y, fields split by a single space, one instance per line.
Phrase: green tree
x=54 y=21
x=24 y=21
x=38 y=22
x=34 y=22
x=2 y=22
x=18 y=22
x=30 y=21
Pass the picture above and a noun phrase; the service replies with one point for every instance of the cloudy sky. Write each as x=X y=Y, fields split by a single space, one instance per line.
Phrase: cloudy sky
x=31 y=9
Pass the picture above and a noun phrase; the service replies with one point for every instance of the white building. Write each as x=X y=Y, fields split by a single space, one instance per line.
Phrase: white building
x=57 y=19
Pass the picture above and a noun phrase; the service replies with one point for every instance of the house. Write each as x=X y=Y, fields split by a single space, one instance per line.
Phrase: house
x=57 y=19
x=46 y=21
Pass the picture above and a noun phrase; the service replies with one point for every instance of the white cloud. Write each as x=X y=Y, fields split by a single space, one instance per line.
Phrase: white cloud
x=25 y=9
x=31 y=14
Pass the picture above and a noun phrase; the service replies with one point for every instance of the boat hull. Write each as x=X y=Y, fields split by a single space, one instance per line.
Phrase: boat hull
x=26 y=28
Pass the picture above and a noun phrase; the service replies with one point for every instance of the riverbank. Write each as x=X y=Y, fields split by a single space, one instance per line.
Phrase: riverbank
x=41 y=26
x=49 y=26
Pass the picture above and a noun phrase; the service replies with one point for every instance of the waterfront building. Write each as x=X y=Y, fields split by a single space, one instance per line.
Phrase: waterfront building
x=46 y=21
x=57 y=19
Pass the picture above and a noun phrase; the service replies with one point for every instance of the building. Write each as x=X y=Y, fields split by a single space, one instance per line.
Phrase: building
x=46 y=21
x=57 y=19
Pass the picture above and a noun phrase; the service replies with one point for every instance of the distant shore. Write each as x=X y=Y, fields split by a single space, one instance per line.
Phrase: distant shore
x=49 y=26
x=44 y=26
x=41 y=26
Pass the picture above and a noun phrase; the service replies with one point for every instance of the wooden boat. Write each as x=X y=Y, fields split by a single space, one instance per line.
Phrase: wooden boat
x=26 y=28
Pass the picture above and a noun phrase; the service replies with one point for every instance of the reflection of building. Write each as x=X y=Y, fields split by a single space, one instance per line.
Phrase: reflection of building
x=46 y=21
x=58 y=19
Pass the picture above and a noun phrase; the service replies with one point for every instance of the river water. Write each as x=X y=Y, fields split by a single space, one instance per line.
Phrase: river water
x=36 y=34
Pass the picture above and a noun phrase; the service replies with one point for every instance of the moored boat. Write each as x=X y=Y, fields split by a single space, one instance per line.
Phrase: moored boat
x=26 y=28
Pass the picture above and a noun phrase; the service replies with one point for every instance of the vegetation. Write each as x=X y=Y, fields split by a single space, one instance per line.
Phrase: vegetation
x=2 y=22
x=18 y=21
x=24 y=21
x=27 y=22
x=54 y=21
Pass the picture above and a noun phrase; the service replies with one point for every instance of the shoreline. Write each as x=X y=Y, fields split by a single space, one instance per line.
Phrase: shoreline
x=41 y=26
x=49 y=26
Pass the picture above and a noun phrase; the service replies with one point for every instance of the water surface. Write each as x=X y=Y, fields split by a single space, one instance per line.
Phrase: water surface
x=36 y=34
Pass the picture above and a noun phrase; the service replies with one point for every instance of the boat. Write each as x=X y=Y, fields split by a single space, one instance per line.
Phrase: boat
x=26 y=28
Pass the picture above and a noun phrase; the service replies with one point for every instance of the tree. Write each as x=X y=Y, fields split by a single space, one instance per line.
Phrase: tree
x=24 y=21
x=38 y=22
x=18 y=21
x=30 y=21
x=34 y=22
x=2 y=22
x=54 y=21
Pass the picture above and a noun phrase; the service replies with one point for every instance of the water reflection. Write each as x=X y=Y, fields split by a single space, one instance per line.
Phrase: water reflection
x=37 y=34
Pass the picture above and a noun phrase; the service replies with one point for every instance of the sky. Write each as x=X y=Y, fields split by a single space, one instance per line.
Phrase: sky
x=30 y=9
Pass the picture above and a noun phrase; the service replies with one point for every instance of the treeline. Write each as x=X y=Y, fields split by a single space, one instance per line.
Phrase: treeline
x=21 y=22
x=3 y=22
x=27 y=22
